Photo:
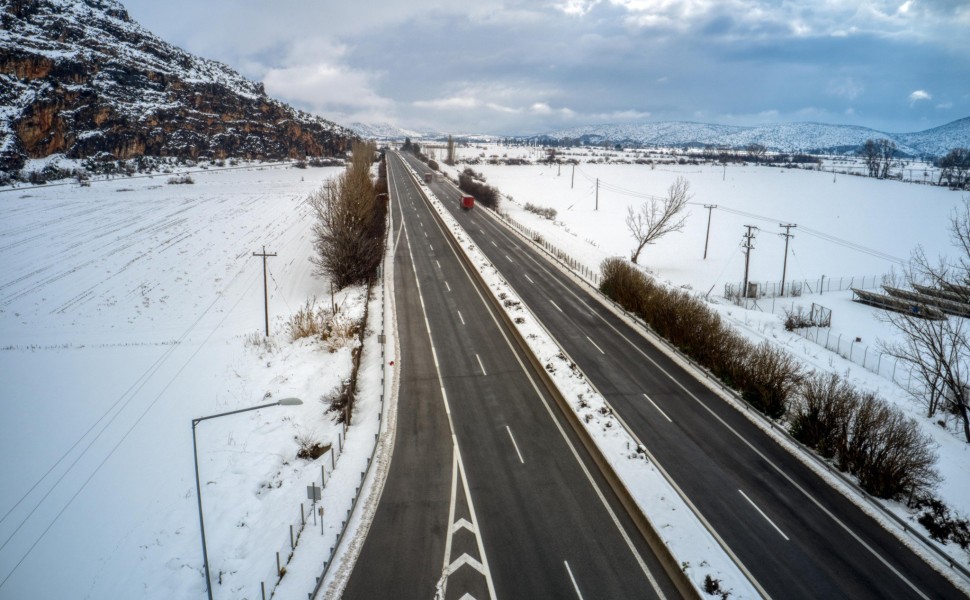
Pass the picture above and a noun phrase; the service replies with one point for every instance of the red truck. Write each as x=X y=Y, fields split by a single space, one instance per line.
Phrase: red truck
x=466 y=202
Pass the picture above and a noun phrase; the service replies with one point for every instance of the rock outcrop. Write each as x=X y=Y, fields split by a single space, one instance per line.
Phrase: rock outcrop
x=79 y=77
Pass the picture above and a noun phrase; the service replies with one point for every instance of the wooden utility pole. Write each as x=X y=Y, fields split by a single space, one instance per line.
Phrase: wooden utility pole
x=265 y=288
x=709 y=208
x=597 y=193
x=572 y=181
x=787 y=235
x=747 y=247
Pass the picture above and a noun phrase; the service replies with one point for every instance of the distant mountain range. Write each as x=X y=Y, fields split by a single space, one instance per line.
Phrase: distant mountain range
x=81 y=78
x=816 y=138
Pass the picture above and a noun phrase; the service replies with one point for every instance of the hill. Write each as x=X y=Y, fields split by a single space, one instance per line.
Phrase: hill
x=81 y=78
x=816 y=138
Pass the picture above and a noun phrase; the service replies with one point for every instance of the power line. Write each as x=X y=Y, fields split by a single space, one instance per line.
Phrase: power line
x=120 y=441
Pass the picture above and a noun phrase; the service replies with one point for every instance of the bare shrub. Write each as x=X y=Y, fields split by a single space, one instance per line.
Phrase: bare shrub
x=942 y=525
x=181 y=180
x=308 y=448
x=887 y=451
x=543 y=211
x=308 y=321
x=772 y=376
x=821 y=412
x=797 y=319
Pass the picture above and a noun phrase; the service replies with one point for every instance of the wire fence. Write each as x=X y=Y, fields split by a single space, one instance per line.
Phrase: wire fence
x=578 y=267
x=798 y=287
x=865 y=355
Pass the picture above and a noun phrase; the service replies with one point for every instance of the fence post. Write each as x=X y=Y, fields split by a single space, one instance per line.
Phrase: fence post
x=278 y=568
x=292 y=543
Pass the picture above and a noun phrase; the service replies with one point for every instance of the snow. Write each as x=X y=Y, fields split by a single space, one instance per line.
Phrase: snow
x=848 y=227
x=127 y=309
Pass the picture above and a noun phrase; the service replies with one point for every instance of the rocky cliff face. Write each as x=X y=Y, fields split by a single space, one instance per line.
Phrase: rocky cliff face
x=79 y=77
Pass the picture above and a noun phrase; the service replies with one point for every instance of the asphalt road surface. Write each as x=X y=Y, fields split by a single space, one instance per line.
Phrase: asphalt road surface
x=797 y=536
x=489 y=492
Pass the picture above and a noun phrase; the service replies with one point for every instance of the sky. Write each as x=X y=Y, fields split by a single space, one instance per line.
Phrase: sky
x=533 y=66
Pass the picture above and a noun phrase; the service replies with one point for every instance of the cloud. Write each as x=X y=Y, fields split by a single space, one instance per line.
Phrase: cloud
x=919 y=95
x=845 y=87
x=313 y=74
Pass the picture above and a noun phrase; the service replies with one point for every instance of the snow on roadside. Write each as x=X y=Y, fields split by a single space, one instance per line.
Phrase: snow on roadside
x=689 y=541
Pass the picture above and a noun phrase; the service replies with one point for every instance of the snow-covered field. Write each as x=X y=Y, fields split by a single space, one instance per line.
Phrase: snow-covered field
x=127 y=308
x=848 y=228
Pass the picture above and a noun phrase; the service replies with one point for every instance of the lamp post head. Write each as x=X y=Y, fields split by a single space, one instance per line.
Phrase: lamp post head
x=290 y=402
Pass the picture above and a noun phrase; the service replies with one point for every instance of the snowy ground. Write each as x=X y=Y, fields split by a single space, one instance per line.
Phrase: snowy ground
x=127 y=308
x=848 y=228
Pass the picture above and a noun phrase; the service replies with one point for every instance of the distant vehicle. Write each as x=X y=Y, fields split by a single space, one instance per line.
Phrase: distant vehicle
x=466 y=202
x=428 y=177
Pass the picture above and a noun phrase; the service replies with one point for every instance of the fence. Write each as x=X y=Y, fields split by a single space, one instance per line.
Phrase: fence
x=583 y=270
x=796 y=287
x=851 y=349
x=274 y=573
x=291 y=537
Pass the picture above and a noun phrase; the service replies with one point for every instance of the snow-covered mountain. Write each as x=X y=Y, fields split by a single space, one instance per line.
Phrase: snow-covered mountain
x=783 y=137
x=387 y=131
x=80 y=77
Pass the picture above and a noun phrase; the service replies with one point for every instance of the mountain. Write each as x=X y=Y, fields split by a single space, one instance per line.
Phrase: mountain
x=816 y=138
x=386 y=131
x=80 y=77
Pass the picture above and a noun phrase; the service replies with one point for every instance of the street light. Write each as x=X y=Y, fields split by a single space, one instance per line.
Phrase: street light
x=198 y=487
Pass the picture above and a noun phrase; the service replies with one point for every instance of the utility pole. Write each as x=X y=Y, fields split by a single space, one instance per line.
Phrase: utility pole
x=787 y=235
x=747 y=247
x=265 y=288
x=597 y=193
x=709 y=208
x=572 y=181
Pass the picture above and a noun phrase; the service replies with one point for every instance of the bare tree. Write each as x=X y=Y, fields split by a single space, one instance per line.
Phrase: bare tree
x=955 y=168
x=348 y=233
x=878 y=156
x=659 y=216
x=939 y=351
x=756 y=152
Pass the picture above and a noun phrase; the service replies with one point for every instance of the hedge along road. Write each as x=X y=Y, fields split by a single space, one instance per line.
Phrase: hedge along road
x=798 y=536
x=489 y=492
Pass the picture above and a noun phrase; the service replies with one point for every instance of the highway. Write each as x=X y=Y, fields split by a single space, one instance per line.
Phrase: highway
x=489 y=492
x=797 y=536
